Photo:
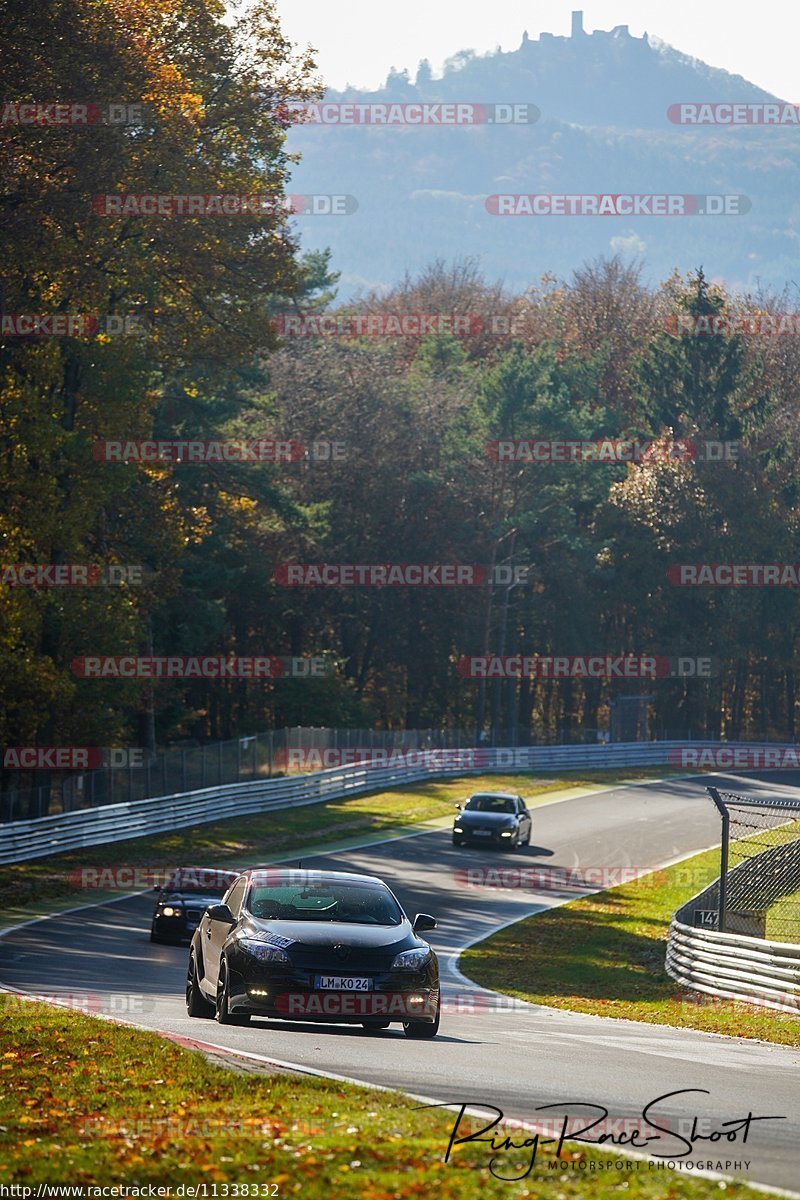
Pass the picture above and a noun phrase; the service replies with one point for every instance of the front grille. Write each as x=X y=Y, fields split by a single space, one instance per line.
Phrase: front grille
x=325 y=961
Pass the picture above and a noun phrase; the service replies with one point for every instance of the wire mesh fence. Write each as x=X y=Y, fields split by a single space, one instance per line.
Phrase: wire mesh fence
x=29 y=794
x=191 y=768
x=758 y=892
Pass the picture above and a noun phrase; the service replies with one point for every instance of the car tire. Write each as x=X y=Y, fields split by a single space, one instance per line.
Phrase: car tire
x=196 y=1003
x=457 y=841
x=421 y=1029
x=222 y=1014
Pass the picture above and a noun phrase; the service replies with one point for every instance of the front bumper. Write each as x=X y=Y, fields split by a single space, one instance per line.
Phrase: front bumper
x=486 y=837
x=288 y=994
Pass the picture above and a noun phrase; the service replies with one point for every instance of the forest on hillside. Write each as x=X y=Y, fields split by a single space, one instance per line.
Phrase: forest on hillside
x=394 y=437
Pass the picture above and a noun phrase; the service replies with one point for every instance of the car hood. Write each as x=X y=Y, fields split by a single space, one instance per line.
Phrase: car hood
x=330 y=933
x=484 y=818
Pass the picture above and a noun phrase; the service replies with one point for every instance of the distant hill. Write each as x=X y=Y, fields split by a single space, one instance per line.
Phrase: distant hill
x=603 y=99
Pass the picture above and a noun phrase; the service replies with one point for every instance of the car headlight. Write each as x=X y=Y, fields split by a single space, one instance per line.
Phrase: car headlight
x=412 y=960
x=171 y=910
x=263 y=951
x=506 y=832
x=457 y=829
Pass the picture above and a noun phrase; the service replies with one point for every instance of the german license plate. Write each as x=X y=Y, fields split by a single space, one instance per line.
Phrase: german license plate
x=481 y=833
x=343 y=983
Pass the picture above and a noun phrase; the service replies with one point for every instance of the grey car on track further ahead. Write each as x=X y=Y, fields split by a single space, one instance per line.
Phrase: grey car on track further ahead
x=493 y=819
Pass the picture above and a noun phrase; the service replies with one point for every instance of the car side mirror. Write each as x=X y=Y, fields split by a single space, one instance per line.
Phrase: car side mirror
x=221 y=912
x=458 y=806
x=423 y=921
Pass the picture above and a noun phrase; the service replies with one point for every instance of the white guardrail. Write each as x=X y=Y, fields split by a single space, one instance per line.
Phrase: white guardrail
x=22 y=840
x=735 y=967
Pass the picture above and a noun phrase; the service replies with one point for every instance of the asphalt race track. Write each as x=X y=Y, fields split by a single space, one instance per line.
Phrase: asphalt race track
x=514 y=1058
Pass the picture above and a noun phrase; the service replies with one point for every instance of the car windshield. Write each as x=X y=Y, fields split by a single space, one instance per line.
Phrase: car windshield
x=353 y=903
x=498 y=804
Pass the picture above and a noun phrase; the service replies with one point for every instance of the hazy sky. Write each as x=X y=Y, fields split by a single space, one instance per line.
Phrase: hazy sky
x=360 y=40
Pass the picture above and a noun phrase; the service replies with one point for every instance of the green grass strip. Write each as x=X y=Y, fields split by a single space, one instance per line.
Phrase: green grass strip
x=604 y=954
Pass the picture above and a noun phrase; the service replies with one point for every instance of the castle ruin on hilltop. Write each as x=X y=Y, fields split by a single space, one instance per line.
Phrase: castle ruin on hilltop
x=578 y=33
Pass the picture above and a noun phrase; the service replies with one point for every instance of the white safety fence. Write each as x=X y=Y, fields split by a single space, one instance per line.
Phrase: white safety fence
x=734 y=967
x=22 y=840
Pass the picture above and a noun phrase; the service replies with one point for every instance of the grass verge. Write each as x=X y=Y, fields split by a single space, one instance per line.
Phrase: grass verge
x=604 y=954
x=29 y=888
x=84 y=1102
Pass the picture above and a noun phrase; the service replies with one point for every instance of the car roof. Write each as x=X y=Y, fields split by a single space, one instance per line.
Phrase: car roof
x=497 y=795
x=320 y=875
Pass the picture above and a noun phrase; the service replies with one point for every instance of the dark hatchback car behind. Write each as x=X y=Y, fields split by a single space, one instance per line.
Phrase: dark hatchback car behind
x=184 y=898
x=300 y=945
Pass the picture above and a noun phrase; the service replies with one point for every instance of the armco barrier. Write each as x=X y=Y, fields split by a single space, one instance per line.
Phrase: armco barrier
x=735 y=967
x=22 y=840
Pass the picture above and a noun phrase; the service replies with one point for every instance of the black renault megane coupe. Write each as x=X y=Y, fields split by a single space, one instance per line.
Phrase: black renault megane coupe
x=300 y=945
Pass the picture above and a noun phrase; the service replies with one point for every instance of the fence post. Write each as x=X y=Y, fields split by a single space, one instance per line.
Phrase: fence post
x=723 y=863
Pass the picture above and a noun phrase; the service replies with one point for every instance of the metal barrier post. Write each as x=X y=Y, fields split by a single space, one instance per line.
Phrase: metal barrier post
x=723 y=862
